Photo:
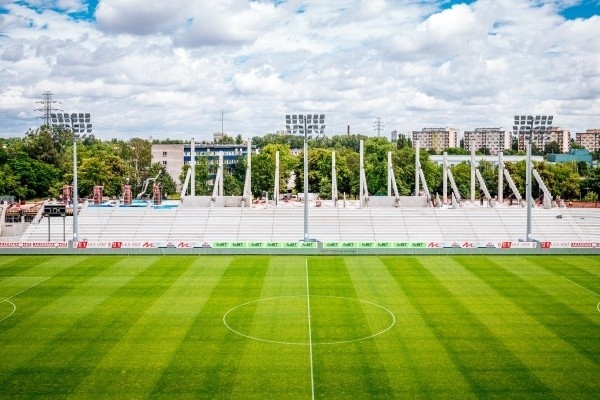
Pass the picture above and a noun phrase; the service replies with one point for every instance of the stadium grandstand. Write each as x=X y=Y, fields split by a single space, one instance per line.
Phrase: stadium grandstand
x=268 y=223
x=392 y=221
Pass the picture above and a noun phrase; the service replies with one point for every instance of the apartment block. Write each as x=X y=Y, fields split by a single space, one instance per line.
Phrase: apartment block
x=436 y=139
x=590 y=139
x=493 y=139
x=562 y=137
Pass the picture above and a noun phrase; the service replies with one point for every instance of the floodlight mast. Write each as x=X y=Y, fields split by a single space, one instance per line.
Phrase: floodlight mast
x=305 y=181
x=528 y=191
x=75 y=200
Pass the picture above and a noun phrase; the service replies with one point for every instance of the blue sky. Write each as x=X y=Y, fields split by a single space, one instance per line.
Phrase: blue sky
x=578 y=9
x=167 y=68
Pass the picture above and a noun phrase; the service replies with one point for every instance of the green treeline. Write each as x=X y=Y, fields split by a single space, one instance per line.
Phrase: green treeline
x=39 y=164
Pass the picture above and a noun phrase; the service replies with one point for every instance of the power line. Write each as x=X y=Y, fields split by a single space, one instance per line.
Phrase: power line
x=47 y=107
x=378 y=125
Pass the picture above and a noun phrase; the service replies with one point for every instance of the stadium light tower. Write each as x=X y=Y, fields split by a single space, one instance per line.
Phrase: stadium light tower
x=531 y=129
x=75 y=200
x=305 y=124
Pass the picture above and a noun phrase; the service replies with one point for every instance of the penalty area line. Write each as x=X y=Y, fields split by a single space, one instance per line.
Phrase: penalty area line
x=583 y=287
x=7 y=300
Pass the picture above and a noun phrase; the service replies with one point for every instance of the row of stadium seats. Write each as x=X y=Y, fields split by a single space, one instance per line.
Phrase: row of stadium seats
x=325 y=224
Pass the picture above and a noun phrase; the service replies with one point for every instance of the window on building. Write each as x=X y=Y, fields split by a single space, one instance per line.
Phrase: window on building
x=164 y=153
x=165 y=163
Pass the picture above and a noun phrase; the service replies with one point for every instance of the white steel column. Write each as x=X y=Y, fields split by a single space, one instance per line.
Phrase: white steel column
x=390 y=172
x=247 y=196
x=500 y=178
x=75 y=200
x=276 y=190
x=445 y=179
x=221 y=172
x=334 y=189
x=417 y=166
x=528 y=191
x=361 y=175
x=472 y=170
x=193 y=168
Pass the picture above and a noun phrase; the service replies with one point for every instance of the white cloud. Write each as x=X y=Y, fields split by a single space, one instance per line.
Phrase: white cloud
x=141 y=17
x=13 y=53
x=167 y=68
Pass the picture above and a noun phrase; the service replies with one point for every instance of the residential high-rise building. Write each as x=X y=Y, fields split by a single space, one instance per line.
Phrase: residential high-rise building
x=560 y=136
x=494 y=140
x=535 y=128
x=590 y=139
x=436 y=139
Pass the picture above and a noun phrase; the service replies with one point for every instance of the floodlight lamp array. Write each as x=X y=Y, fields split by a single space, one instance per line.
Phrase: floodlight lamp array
x=525 y=124
x=315 y=123
x=77 y=123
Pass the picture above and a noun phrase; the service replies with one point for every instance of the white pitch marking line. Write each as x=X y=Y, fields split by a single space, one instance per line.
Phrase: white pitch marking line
x=12 y=312
x=583 y=287
x=312 y=375
x=16 y=294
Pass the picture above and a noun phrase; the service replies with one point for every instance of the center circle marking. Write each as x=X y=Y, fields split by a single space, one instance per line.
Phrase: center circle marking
x=390 y=314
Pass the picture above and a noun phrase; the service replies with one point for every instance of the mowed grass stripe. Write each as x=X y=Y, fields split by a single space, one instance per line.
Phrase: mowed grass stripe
x=16 y=265
x=583 y=271
x=456 y=330
x=132 y=367
x=580 y=331
x=349 y=370
x=417 y=363
x=569 y=279
x=535 y=345
x=276 y=370
x=205 y=365
x=46 y=311
x=570 y=265
x=65 y=361
x=486 y=363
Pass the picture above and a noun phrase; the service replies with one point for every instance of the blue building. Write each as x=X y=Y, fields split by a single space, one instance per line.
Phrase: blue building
x=174 y=156
x=232 y=153
x=574 y=155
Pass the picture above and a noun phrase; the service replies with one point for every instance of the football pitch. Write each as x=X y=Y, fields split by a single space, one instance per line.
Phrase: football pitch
x=295 y=327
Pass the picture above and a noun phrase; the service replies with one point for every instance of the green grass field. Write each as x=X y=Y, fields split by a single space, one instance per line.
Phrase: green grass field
x=290 y=327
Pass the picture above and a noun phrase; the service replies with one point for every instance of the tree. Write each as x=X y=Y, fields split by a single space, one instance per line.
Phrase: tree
x=33 y=178
x=560 y=179
x=591 y=182
x=292 y=141
x=456 y=151
x=231 y=186
x=263 y=168
x=167 y=184
x=462 y=177
x=403 y=141
x=514 y=143
x=226 y=139
x=376 y=154
x=552 y=148
x=93 y=171
x=347 y=168
x=201 y=176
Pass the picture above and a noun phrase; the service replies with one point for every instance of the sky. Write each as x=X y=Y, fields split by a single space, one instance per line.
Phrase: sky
x=179 y=69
